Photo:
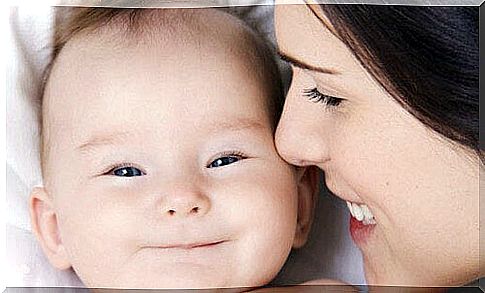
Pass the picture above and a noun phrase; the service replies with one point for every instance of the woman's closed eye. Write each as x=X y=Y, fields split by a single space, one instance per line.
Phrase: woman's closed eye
x=317 y=97
x=126 y=171
x=226 y=159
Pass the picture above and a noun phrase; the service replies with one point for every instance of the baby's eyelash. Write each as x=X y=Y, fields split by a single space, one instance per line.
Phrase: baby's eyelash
x=230 y=154
x=111 y=169
x=233 y=153
x=317 y=97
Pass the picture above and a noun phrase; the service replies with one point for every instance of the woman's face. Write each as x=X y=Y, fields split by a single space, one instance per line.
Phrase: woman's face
x=417 y=192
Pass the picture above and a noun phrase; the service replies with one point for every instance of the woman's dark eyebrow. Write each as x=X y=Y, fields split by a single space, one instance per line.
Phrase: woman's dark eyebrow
x=303 y=65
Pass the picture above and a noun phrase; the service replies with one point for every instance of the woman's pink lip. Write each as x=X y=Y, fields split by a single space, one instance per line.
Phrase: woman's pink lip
x=189 y=245
x=360 y=233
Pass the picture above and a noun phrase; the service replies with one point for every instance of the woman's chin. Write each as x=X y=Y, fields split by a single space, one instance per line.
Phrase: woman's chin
x=391 y=274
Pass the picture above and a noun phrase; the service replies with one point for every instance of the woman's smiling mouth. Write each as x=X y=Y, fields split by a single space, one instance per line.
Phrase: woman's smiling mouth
x=361 y=213
x=362 y=222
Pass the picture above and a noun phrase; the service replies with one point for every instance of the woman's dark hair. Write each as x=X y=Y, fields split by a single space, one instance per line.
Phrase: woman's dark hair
x=427 y=58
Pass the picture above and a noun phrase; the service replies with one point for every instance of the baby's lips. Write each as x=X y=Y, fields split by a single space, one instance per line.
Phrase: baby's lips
x=188 y=244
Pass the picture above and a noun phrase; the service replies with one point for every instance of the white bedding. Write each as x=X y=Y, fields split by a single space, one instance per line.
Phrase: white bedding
x=329 y=253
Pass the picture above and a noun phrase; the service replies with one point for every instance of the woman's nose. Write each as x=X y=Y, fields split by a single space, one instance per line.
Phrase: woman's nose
x=182 y=203
x=293 y=146
x=299 y=138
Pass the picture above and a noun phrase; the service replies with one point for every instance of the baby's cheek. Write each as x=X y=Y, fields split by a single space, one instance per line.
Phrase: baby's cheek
x=265 y=204
x=90 y=220
x=267 y=189
x=263 y=212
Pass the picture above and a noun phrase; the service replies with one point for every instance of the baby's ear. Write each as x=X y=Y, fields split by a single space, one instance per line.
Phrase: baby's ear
x=44 y=226
x=308 y=189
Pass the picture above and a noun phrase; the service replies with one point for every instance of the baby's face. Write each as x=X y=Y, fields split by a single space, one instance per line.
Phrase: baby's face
x=162 y=168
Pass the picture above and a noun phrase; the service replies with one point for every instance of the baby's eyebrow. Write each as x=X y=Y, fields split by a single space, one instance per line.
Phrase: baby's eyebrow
x=112 y=138
x=103 y=139
x=236 y=125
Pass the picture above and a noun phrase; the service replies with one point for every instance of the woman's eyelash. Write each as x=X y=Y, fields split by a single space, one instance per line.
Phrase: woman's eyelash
x=317 y=97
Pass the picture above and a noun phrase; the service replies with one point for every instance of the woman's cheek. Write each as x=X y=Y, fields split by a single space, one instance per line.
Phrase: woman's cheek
x=365 y=163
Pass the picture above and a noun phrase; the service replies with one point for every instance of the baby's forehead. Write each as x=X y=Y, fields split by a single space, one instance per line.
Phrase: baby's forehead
x=142 y=27
x=205 y=31
x=161 y=32
x=94 y=62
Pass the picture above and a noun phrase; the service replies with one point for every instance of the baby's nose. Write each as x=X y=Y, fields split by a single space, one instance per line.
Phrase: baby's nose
x=185 y=204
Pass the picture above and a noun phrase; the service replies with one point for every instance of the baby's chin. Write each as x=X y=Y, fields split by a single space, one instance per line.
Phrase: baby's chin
x=213 y=285
x=230 y=290
x=178 y=279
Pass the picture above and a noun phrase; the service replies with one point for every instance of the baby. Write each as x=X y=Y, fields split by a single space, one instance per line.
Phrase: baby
x=158 y=159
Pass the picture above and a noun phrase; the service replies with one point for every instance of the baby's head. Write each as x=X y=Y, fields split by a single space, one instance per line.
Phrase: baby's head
x=158 y=160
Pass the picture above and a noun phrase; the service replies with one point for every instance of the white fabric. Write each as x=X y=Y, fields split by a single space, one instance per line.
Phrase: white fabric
x=329 y=253
x=29 y=38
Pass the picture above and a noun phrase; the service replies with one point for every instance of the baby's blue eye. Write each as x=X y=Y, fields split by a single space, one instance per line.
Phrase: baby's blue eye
x=127 y=172
x=223 y=161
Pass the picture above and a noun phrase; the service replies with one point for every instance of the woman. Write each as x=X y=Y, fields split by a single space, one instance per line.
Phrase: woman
x=384 y=99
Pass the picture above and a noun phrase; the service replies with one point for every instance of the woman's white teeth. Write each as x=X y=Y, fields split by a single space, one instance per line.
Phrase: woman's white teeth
x=361 y=213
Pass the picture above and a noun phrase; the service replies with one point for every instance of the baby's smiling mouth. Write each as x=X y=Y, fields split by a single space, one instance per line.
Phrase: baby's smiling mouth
x=187 y=252
x=188 y=246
